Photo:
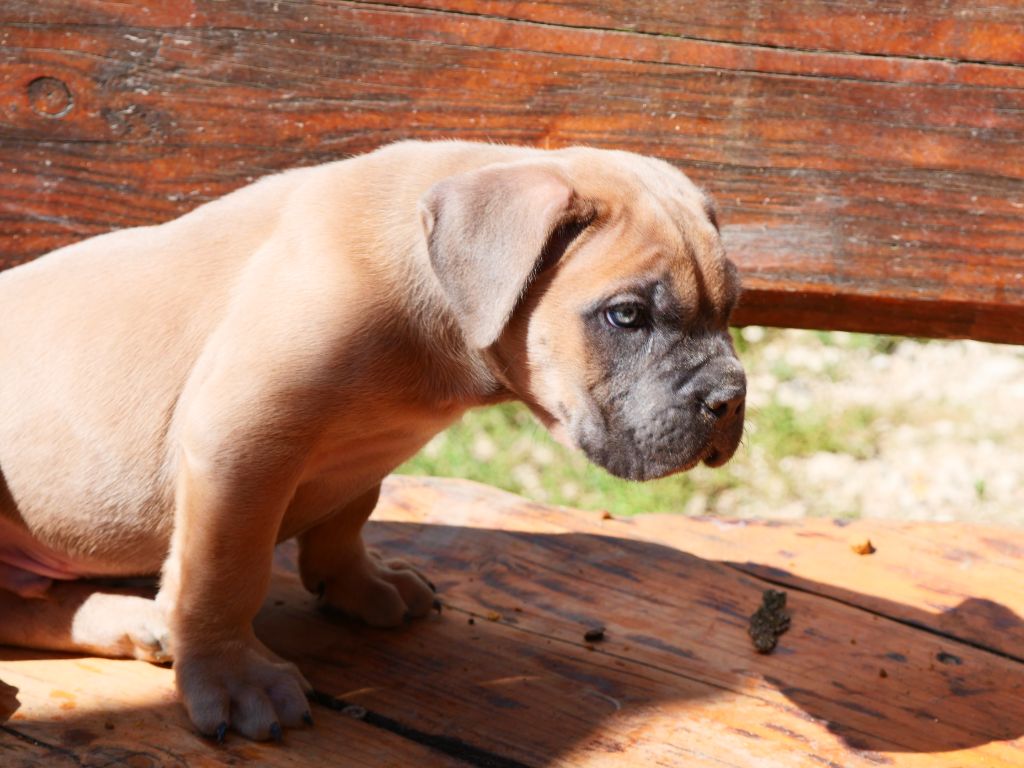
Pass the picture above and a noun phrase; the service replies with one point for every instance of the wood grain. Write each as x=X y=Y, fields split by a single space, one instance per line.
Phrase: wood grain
x=102 y=712
x=867 y=180
x=986 y=31
x=675 y=681
x=977 y=599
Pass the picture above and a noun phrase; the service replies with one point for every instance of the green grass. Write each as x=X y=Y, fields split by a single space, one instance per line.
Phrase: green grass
x=783 y=431
x=504 y=446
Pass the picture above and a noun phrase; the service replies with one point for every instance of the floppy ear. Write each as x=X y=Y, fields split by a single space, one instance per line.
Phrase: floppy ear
x=489 y=231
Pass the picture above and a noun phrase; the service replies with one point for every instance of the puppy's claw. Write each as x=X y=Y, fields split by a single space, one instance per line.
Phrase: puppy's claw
x=275 y=732
x=431 y=585
x=219 y=734
x=307 y=718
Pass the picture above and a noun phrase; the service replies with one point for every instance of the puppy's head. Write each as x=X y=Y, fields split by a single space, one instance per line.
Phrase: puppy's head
x=597 y=286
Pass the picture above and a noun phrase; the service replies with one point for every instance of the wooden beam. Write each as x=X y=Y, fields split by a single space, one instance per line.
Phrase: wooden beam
x=884 y=172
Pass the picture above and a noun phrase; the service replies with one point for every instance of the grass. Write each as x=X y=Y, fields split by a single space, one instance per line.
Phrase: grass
x=504 y=446
x=783 y=430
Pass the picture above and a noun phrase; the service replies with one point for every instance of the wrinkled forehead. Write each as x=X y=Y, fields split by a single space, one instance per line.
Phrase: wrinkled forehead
x=628 y=174
x=655 y=225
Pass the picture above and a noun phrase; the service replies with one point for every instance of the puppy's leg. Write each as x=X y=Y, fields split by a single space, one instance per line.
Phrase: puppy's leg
x=335 y=565
x=229 y=510
x=82 y=617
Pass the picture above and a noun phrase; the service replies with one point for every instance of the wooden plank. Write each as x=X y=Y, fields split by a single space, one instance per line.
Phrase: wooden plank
x=97 y=712
x=987 y=31
x=847 y=183
x=916 y=571
x=675 y=681
x=966 y=582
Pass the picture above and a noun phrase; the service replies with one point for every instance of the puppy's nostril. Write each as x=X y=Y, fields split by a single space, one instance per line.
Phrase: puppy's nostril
x=722 y=409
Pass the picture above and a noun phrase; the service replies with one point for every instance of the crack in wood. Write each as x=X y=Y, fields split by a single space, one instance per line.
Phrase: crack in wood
x=690 y=38
x=40 y=744
x=369 y=6
x=448 y=745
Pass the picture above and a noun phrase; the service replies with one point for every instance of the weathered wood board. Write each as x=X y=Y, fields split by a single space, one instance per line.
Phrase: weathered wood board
x=907 y=657
x=868 y=159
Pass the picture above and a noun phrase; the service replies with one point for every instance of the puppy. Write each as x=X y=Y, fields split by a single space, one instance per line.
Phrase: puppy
x=178 y=399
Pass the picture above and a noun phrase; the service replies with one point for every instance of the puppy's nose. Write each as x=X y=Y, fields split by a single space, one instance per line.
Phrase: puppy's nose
x=718 y=387
x=725 y=398
x=723 y=407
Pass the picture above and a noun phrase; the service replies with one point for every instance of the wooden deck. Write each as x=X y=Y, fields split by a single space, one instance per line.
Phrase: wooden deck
x=913 y=655
x=868 y=163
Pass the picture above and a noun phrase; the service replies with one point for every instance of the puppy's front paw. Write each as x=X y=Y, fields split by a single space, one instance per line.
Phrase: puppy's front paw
x=244 y=686
x=383 y=593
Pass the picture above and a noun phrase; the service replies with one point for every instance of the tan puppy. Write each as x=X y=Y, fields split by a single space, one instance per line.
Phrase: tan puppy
x=178 y=399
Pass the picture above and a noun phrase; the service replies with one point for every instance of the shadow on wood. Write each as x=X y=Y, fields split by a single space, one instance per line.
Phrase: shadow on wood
x=504 y=677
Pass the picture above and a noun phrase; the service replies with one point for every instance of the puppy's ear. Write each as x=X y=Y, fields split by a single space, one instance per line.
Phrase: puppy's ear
x=490 y=231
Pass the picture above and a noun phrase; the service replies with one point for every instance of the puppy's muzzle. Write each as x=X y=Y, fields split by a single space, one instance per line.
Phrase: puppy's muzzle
x=659 y=425
x=720 y=387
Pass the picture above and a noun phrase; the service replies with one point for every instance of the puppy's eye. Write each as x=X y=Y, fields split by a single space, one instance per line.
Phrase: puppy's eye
x=630 y=316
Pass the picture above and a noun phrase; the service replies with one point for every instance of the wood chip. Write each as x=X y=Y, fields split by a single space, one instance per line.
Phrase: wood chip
x=769 y=621
x=594 y=635
x=863 y=547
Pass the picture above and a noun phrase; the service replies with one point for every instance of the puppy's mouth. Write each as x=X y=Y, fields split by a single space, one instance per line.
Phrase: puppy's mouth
x=717 y=455
x=710 y=456
x=628 y=463
x=623 y=459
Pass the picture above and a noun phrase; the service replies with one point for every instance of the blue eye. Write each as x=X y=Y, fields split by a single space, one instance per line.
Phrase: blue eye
x=628 y=316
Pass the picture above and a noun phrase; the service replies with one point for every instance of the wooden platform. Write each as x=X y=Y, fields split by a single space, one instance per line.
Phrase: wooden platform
x=908 y=656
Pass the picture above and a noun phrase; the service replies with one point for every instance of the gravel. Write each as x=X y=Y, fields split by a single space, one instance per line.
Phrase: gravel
x=946 y=441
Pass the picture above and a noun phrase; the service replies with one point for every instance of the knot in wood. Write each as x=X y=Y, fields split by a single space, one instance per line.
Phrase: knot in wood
x=50 y=97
